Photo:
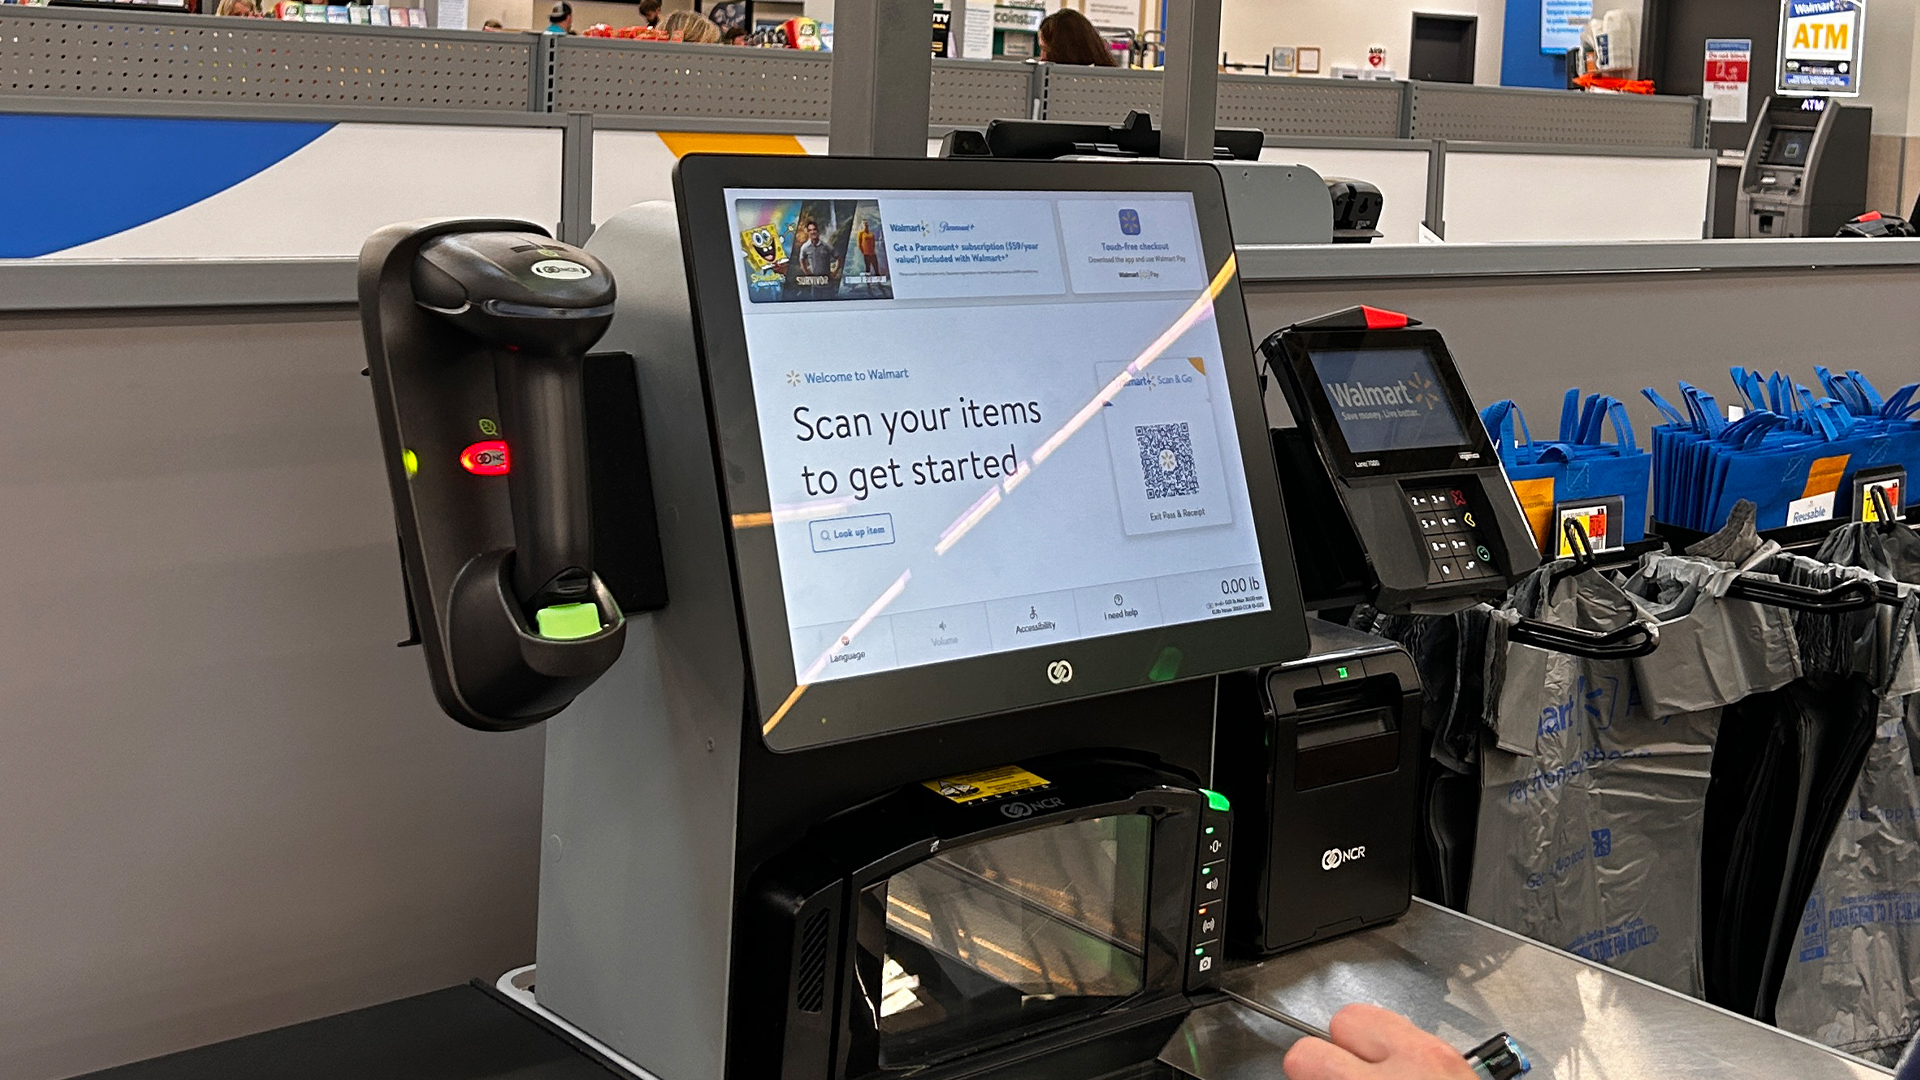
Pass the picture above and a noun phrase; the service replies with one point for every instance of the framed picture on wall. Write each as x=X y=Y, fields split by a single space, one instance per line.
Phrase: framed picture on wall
x=1285 y=59
x=1307 y=60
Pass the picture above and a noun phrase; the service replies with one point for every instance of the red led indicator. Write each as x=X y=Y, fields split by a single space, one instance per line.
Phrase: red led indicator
x=485 y=458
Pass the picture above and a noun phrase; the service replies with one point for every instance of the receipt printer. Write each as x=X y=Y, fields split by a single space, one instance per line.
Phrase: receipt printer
x=1320 y=757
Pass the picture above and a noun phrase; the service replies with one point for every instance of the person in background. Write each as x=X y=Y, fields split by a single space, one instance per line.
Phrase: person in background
x=650 y=12
x=692 y=27
x=245 y=9
x=1066 y=37
x=493 y=26
x=560 y=19
x=1371 y=1043
x=733 y=35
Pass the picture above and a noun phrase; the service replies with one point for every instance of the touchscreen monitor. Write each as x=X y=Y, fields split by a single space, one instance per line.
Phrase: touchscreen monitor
x=1790 y=146
x=1388 y=399
x=990 y=424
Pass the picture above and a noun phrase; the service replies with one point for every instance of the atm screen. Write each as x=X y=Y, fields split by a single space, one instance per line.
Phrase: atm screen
x=1388 y=399
x=991 y=421
x=1789 y=146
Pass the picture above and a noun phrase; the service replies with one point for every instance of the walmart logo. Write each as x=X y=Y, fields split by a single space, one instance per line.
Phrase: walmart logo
x=1424 y=390
x=1130 y=222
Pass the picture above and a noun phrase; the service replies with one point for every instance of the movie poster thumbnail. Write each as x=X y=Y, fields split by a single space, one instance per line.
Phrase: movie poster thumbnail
x=813 y=249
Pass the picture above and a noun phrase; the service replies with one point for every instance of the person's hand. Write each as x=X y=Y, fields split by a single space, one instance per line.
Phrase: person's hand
x=1371 y=1043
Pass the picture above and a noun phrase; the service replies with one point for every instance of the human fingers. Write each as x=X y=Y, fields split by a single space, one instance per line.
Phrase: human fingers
x=1370 y=1032
x=1317 y=1059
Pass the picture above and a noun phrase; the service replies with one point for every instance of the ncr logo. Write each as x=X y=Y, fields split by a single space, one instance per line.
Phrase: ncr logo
x=561 y=270
x=1130 y=222
x=1335 y=858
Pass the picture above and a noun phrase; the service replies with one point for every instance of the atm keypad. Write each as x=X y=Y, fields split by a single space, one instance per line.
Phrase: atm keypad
x=1456 y=548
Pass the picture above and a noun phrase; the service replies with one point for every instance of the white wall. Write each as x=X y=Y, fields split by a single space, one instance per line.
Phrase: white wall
x=1345 y=29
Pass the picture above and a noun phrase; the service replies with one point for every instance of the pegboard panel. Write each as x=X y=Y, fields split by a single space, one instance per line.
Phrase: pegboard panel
x=1099 y=95
x=1330 y=108
x=70 y=53
x=1545 y=116
x=689 y=81
x=968 y=93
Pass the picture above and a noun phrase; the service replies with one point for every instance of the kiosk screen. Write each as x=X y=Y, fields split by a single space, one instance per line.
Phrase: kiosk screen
x=990 y=421
x=1789 y=146
x=1388 y=399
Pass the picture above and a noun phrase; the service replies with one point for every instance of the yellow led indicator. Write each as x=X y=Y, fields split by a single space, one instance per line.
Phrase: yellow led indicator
x=410 y=461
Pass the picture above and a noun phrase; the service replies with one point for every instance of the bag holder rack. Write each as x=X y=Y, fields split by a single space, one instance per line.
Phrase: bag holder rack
x=1642 y=637
x=1794 y=538
x=1638 y=638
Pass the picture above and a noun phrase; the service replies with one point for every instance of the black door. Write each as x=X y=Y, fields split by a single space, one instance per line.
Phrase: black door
x=1442 y=48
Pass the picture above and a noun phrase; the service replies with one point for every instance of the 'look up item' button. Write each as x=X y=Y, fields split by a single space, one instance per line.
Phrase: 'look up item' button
x=847 y=533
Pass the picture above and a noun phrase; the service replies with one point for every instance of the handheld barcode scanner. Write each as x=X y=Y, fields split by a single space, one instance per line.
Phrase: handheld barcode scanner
x=477 y=333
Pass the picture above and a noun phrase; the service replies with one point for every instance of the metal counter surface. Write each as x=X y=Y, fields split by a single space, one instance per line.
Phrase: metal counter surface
x=1465 y=980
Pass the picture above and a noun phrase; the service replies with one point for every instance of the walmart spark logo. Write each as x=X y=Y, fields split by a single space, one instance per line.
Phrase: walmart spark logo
x=1424 y=390
x=1130 y=222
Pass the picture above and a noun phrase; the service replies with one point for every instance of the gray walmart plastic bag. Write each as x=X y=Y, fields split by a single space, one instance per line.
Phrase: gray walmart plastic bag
x=1853 y=977
x=1595 y=773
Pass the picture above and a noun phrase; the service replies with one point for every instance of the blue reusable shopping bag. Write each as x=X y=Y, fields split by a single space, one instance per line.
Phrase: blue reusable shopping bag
x=1583 y=464
x=1791 y=454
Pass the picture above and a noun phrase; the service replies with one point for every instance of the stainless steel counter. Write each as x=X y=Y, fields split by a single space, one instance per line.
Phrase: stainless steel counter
x=1464 y=980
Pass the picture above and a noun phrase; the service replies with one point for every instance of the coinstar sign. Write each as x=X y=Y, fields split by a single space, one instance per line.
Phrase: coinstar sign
x=1820 y=46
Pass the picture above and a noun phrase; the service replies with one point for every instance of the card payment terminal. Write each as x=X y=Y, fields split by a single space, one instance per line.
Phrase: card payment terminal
x=1410 y=464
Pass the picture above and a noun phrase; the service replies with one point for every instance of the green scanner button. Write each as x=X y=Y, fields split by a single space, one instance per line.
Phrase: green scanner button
x=567 y=622
x=1216 y=801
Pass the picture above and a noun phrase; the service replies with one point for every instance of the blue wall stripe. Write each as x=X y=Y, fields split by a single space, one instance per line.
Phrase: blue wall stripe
x=79 y=178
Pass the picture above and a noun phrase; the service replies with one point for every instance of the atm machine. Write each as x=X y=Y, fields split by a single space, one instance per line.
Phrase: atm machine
x=887 y=748
x=1806 y=168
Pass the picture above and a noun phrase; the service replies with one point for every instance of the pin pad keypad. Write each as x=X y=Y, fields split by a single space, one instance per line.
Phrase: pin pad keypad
x=1449 y=530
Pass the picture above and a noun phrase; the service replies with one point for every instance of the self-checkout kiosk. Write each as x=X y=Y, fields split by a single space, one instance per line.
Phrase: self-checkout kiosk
x=1805 y=172
x=902 y=764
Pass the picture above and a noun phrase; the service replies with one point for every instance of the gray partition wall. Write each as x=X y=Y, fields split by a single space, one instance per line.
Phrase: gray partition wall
x=771 y=87
x=68 y=53
x=63 y=53
x=1499 y=114
x=229 y=801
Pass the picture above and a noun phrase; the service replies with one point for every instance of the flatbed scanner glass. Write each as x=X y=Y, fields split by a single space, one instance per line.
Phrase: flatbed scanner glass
x=1024 y=930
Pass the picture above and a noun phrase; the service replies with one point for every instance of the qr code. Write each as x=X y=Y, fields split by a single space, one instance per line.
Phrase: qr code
x=1166 y=460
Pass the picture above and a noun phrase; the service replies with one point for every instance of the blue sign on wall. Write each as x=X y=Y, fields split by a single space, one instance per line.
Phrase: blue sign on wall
x=1561 y=22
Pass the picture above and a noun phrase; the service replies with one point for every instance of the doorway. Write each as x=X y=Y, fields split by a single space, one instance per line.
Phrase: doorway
x=1442 y=48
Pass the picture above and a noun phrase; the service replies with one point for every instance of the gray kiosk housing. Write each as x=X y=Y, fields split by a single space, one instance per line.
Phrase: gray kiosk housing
x=1806 y=169
x=638 y=817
